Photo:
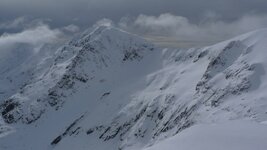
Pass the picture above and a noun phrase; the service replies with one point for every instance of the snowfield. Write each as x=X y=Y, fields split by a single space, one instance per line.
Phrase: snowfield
x=235 y=135
x=109 y=89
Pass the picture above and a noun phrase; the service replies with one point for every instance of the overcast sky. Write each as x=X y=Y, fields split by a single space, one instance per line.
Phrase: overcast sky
x=181 y=19
x=84 y=12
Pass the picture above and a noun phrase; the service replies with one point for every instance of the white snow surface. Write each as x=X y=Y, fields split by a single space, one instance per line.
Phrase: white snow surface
x=109 y=89
x=235 y=135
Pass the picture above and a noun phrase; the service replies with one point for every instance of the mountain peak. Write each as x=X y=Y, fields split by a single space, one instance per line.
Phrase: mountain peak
x=102 y=49
x=105 y=31
x=109 y=86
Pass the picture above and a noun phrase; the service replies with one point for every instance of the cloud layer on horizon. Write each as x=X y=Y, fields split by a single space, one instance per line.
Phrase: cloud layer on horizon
x=165 y=27
x=85 y=13
x=179 y=19
x=180 y=28
x=32 y=40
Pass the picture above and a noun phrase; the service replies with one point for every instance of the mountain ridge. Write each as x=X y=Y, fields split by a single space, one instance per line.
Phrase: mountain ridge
x=67 y=60
x=113 y=87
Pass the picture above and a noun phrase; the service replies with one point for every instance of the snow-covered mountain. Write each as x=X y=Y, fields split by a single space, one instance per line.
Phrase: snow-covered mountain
x=109 y=89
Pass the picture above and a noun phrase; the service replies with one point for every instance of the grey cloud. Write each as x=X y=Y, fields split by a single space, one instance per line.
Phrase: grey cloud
x=14 y=23
x=86 y=12
x=30 y=44
x=162 y=19
x=71 y=28
x=180 y=28
x=21 y=23
x=36 y=36
x=30 y=41
x=104 y=21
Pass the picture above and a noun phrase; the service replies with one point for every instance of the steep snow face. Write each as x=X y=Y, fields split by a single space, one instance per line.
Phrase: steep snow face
x=89 y=58
x=212 y=84
x=75 y=86
x=18 y=64
x=108 y=89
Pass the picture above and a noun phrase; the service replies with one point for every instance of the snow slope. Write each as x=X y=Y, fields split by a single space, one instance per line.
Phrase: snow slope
x=18 y=64
x=109 y=89
x=235 y=135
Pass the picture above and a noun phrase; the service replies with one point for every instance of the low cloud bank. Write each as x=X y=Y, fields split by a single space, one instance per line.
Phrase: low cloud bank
x=33 y=40
x=36 y=36
x=211 y=28
x=33 y=34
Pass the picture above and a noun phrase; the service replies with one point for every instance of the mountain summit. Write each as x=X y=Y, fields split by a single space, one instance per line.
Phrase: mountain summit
x=75 y=63
x=109 y=89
